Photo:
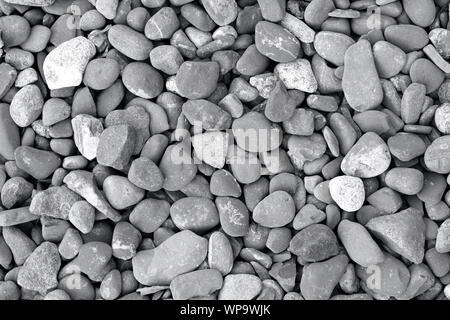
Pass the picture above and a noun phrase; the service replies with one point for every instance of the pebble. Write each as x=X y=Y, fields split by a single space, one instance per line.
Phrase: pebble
x=316 y=242
x=129 y=42
x=275 y=42
x=220 y=253
x=240 y=287
x=402 y=232
x=64 y=66
x=320 y=278
x=162 y=24
x=360 y=81
x=26 y=105
x=425 y=72
x=407 y=181
x=407 y=37
x=275 y=210
x=347 y=192
x=368 y=158
x=145 y=174
x=393 y=279
x=406 y=146
x=297 y=75
x=222 y=12
x=15 y=191
x=298 y=28
x=92 y=258
x=40 y=164
x=82 y=216
x=421 y=13
x=389 y=59
x=181 y=253
x=149 y=214
x=197 y=79
x=436 y=155
x=18 y=242
x=359 y=244
x=233 y=216
x=197 y=214
x=332 y=46
x=196 y=284
x=121 y=193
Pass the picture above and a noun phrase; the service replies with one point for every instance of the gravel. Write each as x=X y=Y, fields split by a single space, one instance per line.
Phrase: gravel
x=224 y=150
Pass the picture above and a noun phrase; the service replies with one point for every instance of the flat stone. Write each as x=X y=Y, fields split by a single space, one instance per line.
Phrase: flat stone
x=275 y=42
x=240 y=287
x=298 y=28
x=316 y=242
x=16 y=216
x=121 y=193
x=332 y=46
x=319 y=279
x=9 y=75
x=54 y=202
x=220 y=253
x=197 y=283
x=181 y=253
x=360 y=82
x=40 y=270
x=275 y=210
x=38 y=163
x=402 y=232
x=33 y=3
x=234 y=216
x=197 y=214
x=64 y=66
x=196 y=79
x=359 y=244
x=82 y=182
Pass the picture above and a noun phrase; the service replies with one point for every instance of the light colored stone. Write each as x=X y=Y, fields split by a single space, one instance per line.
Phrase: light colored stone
x=298 y=75
x=64 y=66
x=86 y=133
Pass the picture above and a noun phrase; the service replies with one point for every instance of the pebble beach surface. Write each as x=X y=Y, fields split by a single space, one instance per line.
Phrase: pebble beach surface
x=224 y=149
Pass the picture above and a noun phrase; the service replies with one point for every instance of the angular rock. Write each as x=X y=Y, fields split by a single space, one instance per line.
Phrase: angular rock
x=54 y=202
x=297 y=75
x=86 y=134
x=115 y=146
x=197 y=79
x=402 y=232
x=82 y=182
x=40 y=270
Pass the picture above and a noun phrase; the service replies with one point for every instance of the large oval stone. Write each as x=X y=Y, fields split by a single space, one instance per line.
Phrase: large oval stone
x=181 y=253
x=275 y=210
x=275 y=42
x=360 y=82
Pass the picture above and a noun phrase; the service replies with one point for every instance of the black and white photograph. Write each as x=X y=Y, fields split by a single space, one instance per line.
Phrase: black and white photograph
x=224 y=158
